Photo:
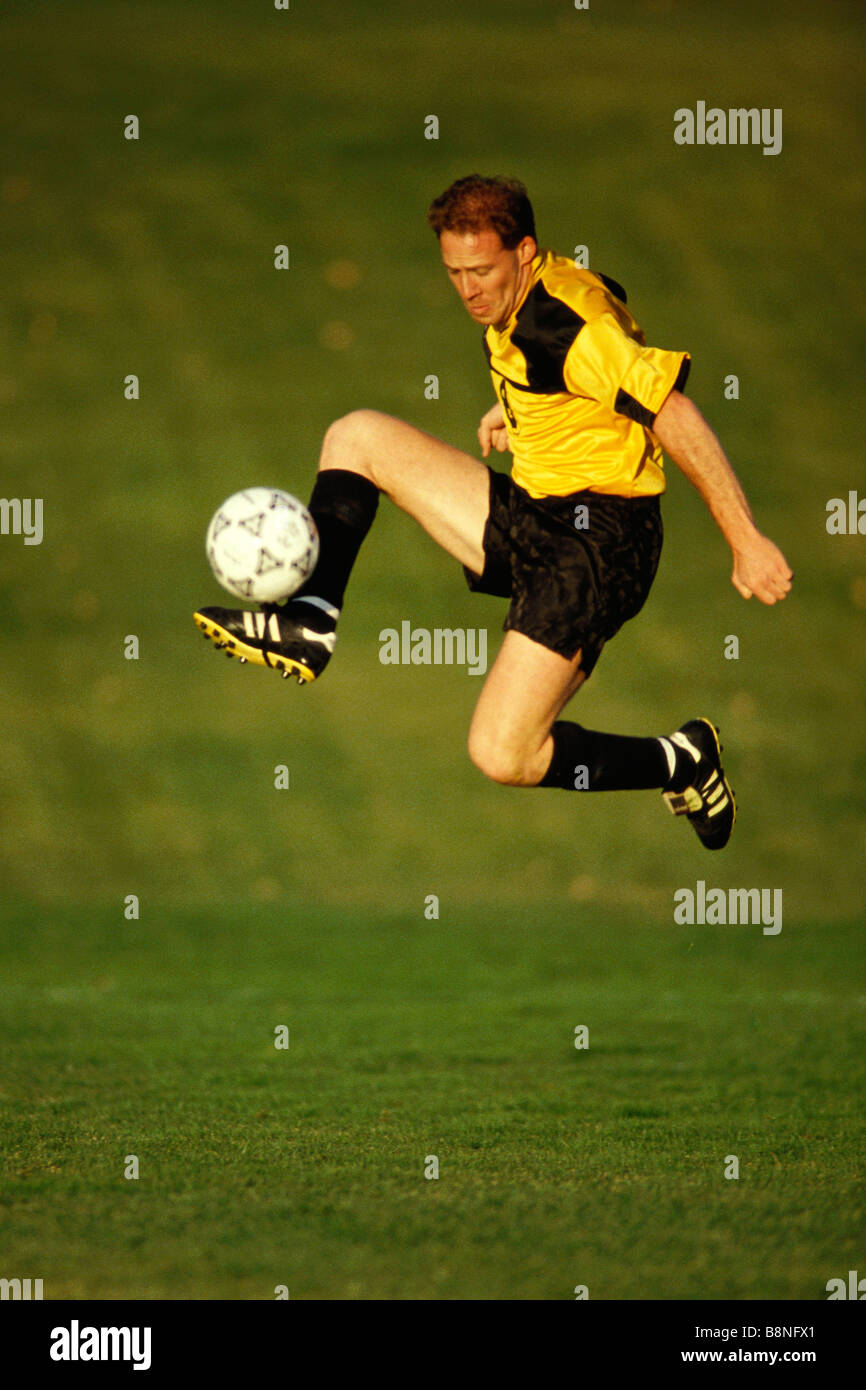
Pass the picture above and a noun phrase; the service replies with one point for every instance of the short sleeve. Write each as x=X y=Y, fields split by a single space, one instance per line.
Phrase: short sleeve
x=608 y=366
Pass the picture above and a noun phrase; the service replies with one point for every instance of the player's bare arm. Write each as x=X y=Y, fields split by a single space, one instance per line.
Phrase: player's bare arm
x=760 y=568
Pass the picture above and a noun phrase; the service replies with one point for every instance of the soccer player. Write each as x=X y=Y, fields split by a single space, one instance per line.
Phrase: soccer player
x=571 y=537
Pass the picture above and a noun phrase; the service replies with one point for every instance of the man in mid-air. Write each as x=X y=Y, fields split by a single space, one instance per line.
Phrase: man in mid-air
x=572 y=536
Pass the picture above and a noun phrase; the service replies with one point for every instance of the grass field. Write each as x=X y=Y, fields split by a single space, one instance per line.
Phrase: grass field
x=155 y=777
x=305 y=1166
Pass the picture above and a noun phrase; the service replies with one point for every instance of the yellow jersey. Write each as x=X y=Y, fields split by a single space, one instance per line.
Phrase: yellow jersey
x=579 y=387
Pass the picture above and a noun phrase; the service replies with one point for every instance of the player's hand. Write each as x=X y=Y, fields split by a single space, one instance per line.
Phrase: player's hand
x=492 y=431
x=761 y=569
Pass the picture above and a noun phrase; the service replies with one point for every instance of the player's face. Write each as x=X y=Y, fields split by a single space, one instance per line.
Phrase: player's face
x=490 y=279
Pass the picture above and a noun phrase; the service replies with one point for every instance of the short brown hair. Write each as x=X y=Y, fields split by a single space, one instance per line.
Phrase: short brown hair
x=476 y=204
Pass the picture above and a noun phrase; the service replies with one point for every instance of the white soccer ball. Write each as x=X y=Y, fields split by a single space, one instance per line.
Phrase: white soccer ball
x=262 y=544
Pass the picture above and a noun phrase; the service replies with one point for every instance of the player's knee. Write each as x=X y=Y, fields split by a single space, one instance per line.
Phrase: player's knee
x=349 y=439
x=498 y=761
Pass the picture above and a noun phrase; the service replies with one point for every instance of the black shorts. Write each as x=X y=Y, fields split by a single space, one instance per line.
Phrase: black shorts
x=571 y=586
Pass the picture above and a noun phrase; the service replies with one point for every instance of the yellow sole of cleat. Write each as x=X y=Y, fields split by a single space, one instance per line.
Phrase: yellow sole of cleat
x=233 y=646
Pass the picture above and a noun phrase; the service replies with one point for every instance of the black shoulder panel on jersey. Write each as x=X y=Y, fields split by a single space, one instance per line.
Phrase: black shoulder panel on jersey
x=545 y=330
x=613 y=285
x=627 y=405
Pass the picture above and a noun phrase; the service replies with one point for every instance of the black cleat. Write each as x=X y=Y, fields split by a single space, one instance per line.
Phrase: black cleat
x=296 y=639
x=706 y=799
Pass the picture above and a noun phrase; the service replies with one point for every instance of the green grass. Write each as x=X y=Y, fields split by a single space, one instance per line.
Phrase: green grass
x=156 y=777
x=411 y=1038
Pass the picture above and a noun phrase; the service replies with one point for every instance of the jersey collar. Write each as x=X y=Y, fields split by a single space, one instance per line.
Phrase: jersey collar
x=538 y=263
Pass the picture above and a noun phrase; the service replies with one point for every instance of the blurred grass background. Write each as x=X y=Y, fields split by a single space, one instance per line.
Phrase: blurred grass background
x=155 y=257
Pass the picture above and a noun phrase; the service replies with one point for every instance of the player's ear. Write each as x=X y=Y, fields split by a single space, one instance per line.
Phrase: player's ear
x=527 y=250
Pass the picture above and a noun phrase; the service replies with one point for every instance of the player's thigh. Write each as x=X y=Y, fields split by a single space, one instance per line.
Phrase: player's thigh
x=445 y=490
x=526 y=690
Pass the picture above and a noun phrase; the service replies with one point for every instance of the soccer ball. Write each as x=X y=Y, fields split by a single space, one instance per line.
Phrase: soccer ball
x=262 y=544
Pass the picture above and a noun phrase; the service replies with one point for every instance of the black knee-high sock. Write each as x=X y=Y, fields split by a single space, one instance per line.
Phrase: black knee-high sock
x=343 y=505
x=587 y=761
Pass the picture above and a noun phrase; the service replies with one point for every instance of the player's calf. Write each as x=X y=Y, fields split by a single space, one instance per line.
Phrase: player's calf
x=686 y=767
